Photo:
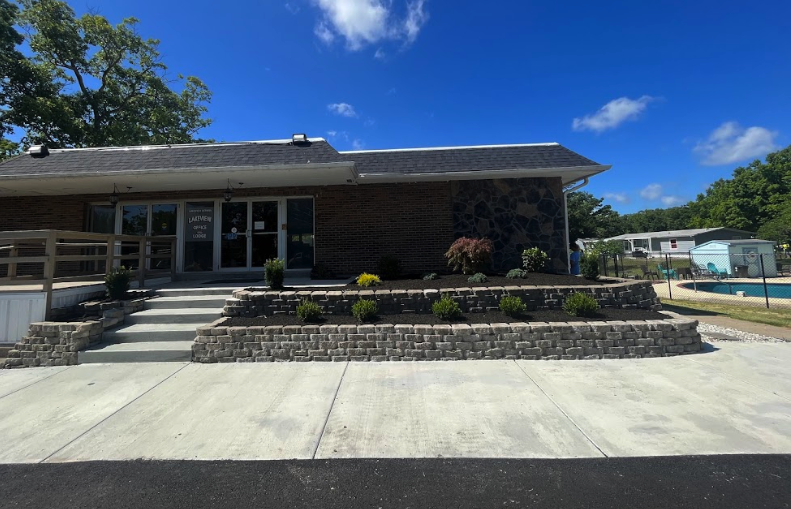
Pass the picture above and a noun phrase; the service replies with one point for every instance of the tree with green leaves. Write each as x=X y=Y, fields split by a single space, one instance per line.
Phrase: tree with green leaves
x=89 y=83
x=590 y=218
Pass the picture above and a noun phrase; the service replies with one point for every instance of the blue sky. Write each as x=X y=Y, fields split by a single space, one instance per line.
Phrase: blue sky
x=673 y=94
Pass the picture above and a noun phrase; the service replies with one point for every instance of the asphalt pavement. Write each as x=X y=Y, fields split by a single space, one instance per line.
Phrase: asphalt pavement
x=699 y=482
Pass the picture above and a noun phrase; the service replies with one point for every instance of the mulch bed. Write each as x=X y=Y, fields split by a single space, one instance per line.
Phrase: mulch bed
x=460 y=281
x=554 y=315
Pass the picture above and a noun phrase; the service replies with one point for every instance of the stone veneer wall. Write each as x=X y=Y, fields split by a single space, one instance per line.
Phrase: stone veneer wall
x=566 y=341
x=626 y=294
x=516 y=214
x=57 y=343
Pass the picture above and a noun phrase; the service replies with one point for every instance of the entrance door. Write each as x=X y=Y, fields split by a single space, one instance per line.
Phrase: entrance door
x=164 y=219
x=134 y=221
x=265 y=232
x=233 y=236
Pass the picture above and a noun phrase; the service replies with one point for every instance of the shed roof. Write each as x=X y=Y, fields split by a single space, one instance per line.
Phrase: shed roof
x=692 y=232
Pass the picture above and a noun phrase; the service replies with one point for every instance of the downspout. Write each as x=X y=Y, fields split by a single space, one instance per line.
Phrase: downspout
x=566 y=214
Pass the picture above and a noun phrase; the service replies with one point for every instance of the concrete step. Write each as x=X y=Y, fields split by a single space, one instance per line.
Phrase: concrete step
x=152 y=332
x=156 y=351
x=196 y=301
x=173 y=316
x=197 y=292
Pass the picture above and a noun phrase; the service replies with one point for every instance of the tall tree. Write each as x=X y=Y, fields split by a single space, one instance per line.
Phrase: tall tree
x=590 y=218
x=101 y=85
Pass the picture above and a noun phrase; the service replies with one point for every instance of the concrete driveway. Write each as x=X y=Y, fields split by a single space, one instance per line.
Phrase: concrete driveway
x=736 y=398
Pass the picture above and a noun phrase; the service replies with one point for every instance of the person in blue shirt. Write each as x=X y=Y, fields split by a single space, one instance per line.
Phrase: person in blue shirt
x=574 y=258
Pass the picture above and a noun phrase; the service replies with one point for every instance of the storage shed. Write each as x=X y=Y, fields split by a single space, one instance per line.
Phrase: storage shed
x=737 y=258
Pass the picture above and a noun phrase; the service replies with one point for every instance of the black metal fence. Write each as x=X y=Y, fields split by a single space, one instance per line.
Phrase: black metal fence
x=748 y=279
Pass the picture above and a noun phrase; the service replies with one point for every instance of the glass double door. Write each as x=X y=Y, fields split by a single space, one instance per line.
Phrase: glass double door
x=249 y=233
x=160 y=219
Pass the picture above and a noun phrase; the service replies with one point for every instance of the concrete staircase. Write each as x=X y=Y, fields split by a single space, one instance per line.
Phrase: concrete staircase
x=164 y=331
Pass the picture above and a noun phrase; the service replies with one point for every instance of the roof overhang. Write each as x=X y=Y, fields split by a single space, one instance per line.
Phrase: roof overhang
x=568 y=175
x=318 y=174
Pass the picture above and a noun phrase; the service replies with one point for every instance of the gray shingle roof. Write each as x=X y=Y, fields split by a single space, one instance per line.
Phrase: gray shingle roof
x=111 y=160
x=452 y=159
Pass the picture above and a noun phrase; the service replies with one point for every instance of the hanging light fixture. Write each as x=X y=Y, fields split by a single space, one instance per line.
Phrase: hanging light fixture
x=229 y=191
x=114 y=197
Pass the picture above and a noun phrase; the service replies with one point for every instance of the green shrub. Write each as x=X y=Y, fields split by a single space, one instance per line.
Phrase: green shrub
x=516 y=274
x=321 y=271
x=512 y=305
x=478 y=277
x=534 y=260
x=365 y=310
x=308 y=311
x=389 y=267
x=580 y=304
x=470 y=255
x=274 y=270
x=366 y=280
x=446 y=308
x=431 y=276
x=589 y=267
x=117 y=282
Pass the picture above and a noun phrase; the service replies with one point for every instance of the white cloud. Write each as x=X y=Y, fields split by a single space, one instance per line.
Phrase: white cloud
x=362 y=22
x=358 y=144
x=292 y=7
x=617 y=197
x=342 y=109
x=369 y=122
x=672 y=201
x=380 y=54
x=338 y=134
x=612 y=114
x=391 y=91
x=651 y=192
x=731 y=143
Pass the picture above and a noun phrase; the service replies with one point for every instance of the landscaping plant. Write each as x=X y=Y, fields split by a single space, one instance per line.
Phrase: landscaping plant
x=431 y=276
x=580 y=304
x=512 y=306
x=308 y=311
x=389 y=267
x=470 y=255
x=534 y=260
x=366 y=280
x=516 y=274
x=590 y=267
x=446 y=308
x=117 y=283
x=365 y=310
x=478 y=277
x=274 y=271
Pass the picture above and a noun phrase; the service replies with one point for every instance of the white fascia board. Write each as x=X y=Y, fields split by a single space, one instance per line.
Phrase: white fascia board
x=579 y=172
x=460 y=147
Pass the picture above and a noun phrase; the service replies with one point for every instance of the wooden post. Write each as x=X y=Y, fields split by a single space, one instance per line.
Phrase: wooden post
x=141 y=264
x=173 y=259
x=49 y=273
x=12 y=266
x=110 y=254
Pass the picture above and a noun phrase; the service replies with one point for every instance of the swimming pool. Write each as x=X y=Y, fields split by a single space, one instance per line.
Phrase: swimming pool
x=777 y=291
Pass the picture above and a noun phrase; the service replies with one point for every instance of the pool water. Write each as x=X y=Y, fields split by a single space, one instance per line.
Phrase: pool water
x=777 y=291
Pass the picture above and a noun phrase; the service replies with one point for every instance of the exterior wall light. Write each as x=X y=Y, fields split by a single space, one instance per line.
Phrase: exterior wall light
x=114 y=197
x=228 y=195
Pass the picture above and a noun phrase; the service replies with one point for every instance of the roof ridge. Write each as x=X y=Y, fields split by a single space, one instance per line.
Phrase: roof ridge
x=459 y=147
x=181 y=145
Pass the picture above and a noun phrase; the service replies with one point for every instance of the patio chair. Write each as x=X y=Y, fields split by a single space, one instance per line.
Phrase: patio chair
x=686 y=273
x=717 y=273
x=782 y=269
x=667 y=273
x=648 y=273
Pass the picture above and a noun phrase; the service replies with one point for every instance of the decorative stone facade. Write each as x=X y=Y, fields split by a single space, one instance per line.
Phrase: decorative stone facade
x=626 y=294
x=57 y=343
x=516 y=214
x=557 y=341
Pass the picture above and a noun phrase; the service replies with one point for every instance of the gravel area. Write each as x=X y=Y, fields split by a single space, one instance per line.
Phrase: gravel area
x=713 y=333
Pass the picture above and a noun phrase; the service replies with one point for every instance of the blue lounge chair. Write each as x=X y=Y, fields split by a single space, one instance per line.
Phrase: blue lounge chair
x=718 y=273
x=667 y=273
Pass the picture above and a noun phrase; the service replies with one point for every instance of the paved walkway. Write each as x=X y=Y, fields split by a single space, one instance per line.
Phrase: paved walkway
x=736 y=398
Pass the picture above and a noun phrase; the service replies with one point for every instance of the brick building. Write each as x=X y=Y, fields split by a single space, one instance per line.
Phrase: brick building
x=234 y=205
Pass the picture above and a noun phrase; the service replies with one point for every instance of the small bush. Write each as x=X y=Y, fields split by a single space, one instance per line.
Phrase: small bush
x=512 y=305
x=308 y=311
x=470 y=255
x=117 y=283
x=590 y=267
x=389 y=267
x=431 y=276
x=580 y=304
x=534 y=260
x=365 y=310
x=366 y=280
x=516 y=274
x=274 y=270
x=479 y=277
x=446 y=308
x=321 y=271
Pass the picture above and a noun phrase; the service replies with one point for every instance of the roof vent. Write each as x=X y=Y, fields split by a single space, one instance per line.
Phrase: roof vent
x=299 y=139
x=38 y=151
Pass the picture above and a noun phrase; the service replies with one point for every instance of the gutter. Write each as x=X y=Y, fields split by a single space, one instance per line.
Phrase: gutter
x=566 y=214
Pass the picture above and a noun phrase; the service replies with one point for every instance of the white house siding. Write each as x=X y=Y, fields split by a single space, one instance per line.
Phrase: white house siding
x=682 y=246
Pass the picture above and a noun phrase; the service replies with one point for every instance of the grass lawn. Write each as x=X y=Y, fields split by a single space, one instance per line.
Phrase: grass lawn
x=778 y=317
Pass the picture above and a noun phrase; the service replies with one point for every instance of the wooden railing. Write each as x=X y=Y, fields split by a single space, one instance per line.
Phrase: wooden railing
x=89 y=257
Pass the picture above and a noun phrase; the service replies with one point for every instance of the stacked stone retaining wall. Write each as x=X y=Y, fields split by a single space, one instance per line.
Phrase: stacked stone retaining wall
x=384 y=342
x=624 y=294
